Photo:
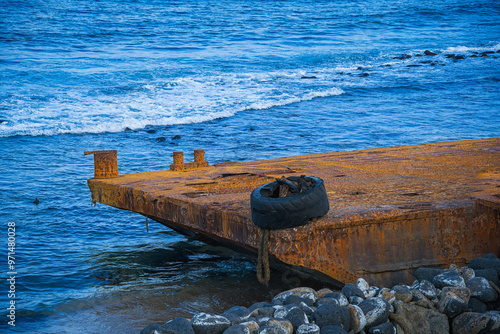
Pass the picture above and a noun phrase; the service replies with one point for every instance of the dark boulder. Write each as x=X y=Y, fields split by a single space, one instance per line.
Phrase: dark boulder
x=332 y=315
x=237 y=329
x=350 y=290
x=448 y=278
x=489 y=274
x=332 y=329
x=429 y=53
x=376 y=311
x=477 y=306
x=482 y=290
x=296 y=317
x=469 y=323
x=176 y=326
x=150 y=329
x=486 y=263
x=426 y=273
x=385 y=328
x=206 y=323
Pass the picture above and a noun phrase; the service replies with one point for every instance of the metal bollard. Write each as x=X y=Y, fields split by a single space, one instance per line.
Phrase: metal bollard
x=105 y=163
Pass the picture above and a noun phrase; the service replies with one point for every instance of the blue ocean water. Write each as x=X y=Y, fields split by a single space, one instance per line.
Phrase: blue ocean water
x=243 y=80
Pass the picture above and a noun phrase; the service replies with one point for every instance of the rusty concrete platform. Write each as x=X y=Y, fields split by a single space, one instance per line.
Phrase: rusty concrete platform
x=392 y=210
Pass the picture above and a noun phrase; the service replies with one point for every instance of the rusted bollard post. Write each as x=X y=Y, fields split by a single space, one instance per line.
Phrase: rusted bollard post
x=105 y=163
x=199 y=155
x=178 y=157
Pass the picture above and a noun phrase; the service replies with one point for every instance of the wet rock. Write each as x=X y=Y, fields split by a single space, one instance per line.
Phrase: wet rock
x=489 y=274
x=297 y=300
x=5 y=121
x=272 y=330
x=306 y=308
x=452 y=306
x=427 y=288
x=355 y=300
x=308 y=329
x=482 y=290
x=332 y=329
x=151 y=131
x=329 y=301
x=150 y=329
x=462 y=293
x=358 y=319
x=413 y=65
x=421 y=300
x=364 y=74
x=483 y=55
x=323 y=292
x=161 y=139
x=176 y=137
x=385 y=328
x=339 y=297
x=372 y=292
x=206 y=323
x=363 y=285
x=459 y=57
x=332 y=315
x=414 y=319
x=252 y=326
x=237 y=329
x=469 y=323
x=281 y=311
x=473 y=56
x=350 y=290
x=494 y=323
x=402 y=57
x=477 y=306
x=376 y=311
x=297 y=317
x=267 y=311
x=402 y=293
x=426 y=273
x=306 y=293
x=467 y=273
x=283 y=323
x=429 y=53
x=448 y=278
x=237 y=314
x=486 y=263
x=262 y=320
x=450 y=55
x=388 y=296
x=418 y=55
x=176 y=326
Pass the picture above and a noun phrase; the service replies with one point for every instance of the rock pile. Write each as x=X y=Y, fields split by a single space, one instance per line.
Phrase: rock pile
x=455 y=300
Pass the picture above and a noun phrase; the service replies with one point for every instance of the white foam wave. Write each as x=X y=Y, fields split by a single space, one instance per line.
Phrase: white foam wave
x=181 y=101
x=461 y=48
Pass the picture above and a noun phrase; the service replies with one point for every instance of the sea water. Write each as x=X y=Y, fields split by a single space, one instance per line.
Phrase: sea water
x=243 y=80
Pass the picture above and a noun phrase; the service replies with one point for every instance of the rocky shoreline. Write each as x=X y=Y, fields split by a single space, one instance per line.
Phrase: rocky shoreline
x=455 y=300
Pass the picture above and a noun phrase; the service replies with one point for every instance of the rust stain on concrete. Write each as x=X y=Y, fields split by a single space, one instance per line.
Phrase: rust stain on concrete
x=392 y=210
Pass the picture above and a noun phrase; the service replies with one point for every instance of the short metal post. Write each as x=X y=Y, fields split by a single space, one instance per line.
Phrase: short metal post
x=178 y=157
x=105 y=163
x=199 y=155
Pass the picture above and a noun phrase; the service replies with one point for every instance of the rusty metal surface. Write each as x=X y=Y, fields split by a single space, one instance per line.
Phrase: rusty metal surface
x=391 y=209
x=105 y=163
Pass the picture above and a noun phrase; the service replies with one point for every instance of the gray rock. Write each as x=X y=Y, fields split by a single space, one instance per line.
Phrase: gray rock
x=467 y=273
x=308 y=329
x=206 y=323
x=150 y=329
x=489 y=274
x=237 y=314
x=452 y=306
x=306 y=308
x=402 y=293
x=358 y=319
x=426 y=273
x=385 y=328
x=262 y=320
x=297 y=317
x=448 y=278
x=427 y=288
x=463 y=293
x=176 y=326
x=469 y=323
x=355 y=300
x=363 y=285
x=329 y=301
x=477 y=306
x=252 y=326
x=490 y=262
x=267 y=311
x=340 y=297
x=296 y=300
x=376 y=311
x=284 y=323
x=421 y=300
x=415 y=319
x=332 y=329
x=372 y=292
x=259 y=305
x=351 y=290
x=482 y=290
x=306 y=293
x=429 y=53
x=272 y=330
x=332 y=315
x=494 y=323
x=237 y=329
x=323 y=292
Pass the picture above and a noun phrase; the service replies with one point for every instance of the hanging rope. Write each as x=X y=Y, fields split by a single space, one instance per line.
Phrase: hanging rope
x=263 y=258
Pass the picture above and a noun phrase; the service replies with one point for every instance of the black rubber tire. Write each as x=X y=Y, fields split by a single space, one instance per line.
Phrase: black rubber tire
x=291 y=211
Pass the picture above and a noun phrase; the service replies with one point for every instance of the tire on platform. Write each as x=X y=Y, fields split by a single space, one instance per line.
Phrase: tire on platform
x=272 y=212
